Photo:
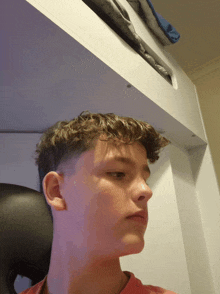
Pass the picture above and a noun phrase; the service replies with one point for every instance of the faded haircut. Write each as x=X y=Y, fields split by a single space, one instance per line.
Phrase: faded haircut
x=66 y=139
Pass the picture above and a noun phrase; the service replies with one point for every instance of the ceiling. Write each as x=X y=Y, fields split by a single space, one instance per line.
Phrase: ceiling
x=40 y=64
x=198 y=23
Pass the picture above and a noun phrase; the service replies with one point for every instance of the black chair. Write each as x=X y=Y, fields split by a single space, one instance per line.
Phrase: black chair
x=26 y=233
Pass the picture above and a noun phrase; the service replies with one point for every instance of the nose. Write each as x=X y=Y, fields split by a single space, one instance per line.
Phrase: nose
x=142 y=191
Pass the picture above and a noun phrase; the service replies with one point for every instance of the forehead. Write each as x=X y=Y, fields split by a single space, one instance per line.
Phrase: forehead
x=107 y=152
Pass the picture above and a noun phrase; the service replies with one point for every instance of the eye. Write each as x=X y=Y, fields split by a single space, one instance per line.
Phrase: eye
x=117 y=175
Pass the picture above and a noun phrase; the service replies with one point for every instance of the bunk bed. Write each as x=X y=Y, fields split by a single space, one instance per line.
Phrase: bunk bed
x=137 y=52
x=117 y=17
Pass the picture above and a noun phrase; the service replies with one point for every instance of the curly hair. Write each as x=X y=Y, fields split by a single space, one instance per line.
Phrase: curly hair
x=66 y=139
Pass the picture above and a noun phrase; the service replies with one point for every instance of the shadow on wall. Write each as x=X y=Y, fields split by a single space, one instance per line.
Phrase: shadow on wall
x=158 y=168
x=196 y=158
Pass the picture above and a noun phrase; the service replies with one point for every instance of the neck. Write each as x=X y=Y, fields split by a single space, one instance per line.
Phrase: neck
x=69 y=275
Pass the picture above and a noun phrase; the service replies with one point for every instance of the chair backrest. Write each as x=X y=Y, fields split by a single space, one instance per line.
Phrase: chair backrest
x=26 y=233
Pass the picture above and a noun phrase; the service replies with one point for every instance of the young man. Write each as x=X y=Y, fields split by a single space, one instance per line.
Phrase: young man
x=95 y=171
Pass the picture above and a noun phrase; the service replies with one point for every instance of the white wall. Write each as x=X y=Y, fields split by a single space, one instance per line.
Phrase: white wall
x=208 y=88
x=17 y=159
x=189 y=198
x=208 y=201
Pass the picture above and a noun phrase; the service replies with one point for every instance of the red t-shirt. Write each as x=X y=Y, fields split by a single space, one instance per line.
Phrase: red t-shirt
x=134 y=286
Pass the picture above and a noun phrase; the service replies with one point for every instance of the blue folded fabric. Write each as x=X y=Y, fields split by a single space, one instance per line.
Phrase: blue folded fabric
x=160 y=27
x=170 y=32
x=116 y=16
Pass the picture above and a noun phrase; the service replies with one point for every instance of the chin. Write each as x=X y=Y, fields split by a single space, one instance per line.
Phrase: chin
x=133 y=246
x=132 y=251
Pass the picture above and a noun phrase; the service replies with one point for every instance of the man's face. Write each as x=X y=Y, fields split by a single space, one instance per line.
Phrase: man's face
x=100 y=196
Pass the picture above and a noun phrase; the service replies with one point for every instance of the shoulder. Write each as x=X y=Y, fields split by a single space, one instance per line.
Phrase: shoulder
x=31 y=290
x=27 y=291
x=156 y=290
x=135 y=286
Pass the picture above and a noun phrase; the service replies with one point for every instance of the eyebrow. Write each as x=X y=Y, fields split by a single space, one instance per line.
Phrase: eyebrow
x=129 y=162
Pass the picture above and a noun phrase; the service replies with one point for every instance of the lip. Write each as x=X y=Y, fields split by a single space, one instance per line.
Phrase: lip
x=139 y=216
x=138 y=219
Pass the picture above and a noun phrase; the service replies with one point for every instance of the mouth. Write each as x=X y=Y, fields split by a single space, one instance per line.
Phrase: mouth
x=138 y=219
x=140 y=216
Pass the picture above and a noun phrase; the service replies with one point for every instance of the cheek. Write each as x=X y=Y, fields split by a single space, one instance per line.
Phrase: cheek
x=111 y=198
x=77 y=198
x=96 y=201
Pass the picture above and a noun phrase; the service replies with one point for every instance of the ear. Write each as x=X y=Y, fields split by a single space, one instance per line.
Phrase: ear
x=51 y=185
